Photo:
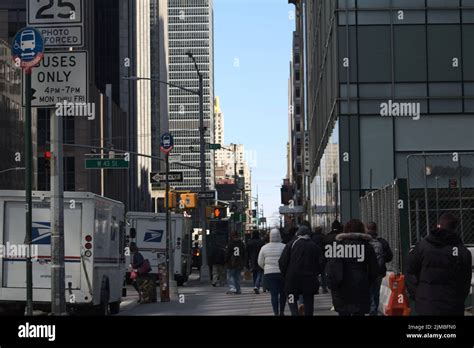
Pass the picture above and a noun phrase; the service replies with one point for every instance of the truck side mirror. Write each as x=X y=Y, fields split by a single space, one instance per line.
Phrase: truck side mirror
x=133 y=233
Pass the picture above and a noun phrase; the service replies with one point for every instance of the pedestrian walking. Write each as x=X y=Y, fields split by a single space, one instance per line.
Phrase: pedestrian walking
x=352 y=269
x=217 y=258
x=140 y=269
x=336 y=228
x=319 y=237
x=440 y=270
x=253 y=249
x=384 y=255
x=300 y=264
x=235 y=260
x=272 y=279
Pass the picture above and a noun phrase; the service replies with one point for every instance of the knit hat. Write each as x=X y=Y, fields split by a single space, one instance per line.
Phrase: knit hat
x=275 y=236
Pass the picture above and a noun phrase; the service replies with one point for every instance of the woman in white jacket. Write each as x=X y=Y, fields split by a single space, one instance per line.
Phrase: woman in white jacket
x=272 y=278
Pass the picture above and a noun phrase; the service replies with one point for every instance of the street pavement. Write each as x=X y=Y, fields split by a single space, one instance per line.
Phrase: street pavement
x=200 y=299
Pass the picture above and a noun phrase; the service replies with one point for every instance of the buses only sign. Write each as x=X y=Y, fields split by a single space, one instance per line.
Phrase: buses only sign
x=61 y=76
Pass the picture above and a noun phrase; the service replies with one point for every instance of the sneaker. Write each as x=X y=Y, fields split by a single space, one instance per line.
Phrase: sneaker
x=255 y=290
x=231 y=292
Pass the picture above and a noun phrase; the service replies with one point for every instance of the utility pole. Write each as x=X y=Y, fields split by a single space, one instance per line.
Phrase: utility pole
x=58 y=278
x=165 y=293
x=205 y=276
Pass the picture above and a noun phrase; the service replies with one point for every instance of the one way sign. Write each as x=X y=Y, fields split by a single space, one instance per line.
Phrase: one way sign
x=161 y=177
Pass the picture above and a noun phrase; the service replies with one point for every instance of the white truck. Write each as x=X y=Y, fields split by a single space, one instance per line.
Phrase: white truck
x=94 y=238
x=148 y=232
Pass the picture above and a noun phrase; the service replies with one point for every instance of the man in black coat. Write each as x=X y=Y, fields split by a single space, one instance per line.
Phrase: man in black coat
x=253 y=249
x=352 y=268
x=439 y=271
x=300 y=265
x=235 y=261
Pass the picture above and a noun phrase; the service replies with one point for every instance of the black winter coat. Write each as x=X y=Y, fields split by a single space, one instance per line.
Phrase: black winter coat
x=235 y=255
x=439 y=274
x=253 y=249
x=300 y=264
x=350 y=278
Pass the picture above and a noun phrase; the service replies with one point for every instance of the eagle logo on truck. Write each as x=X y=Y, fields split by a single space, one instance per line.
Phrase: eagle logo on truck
x=41 y=233
x=153 y=236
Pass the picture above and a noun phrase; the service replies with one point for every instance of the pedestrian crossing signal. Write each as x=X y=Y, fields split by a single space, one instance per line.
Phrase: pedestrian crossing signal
x=217 y=213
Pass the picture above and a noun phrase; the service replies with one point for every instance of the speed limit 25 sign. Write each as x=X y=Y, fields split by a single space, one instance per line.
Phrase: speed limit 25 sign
x=52 y=12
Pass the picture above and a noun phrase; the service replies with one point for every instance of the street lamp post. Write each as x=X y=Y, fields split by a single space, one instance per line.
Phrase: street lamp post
x=205 y=276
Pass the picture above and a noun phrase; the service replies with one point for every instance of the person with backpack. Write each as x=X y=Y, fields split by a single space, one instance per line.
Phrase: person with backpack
x=439 y=271
x=351 y=276
x=235 y=261
x=384 y=255
x=217 y=259
x=300 y=264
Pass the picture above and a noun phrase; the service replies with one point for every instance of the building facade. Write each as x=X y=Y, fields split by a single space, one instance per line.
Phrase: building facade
x=385 y=79
x=191 y=29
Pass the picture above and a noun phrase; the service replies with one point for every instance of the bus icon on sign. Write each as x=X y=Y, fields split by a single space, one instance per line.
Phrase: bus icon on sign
x=28 y=41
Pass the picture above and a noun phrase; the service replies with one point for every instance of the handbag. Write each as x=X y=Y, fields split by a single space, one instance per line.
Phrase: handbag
x=145 y=268
x=133 y=275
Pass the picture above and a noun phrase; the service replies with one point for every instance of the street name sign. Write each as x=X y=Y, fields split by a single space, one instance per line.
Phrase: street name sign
x=175 y=158
x=61 y=76
x=105 y=163
x=207 y=195
x=161 y=177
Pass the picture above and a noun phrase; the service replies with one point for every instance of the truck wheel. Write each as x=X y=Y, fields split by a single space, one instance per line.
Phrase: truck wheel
x=114 y=307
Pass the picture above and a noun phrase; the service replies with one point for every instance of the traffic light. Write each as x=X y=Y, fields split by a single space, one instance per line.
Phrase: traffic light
x=47 y=160
x=172 y=200
x=216 y=212
x=189 y=200
x=254 y=213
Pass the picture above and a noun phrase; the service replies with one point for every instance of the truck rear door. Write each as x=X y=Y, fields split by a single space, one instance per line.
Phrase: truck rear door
x=151 y=241
x=14 y=268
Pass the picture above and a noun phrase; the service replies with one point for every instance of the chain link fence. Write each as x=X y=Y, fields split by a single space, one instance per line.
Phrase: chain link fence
x=384 y=207
x=437 y=184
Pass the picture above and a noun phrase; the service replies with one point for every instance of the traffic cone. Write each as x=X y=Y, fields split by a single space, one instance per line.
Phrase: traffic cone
x=398 y=301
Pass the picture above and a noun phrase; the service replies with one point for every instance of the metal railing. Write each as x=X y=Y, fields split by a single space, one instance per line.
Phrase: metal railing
x=441 y=183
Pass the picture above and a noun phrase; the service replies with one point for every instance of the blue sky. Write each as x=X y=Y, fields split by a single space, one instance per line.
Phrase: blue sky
x=257 y=35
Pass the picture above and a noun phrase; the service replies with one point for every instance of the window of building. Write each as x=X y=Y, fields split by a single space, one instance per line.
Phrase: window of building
x=444 y=48
x=410 y=53
x=374 y=54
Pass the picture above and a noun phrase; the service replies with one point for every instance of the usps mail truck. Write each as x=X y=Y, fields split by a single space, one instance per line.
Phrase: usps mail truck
x=94 y=238
x=148 y=231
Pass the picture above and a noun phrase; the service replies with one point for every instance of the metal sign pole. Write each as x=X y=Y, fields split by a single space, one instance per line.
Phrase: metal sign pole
x=28 y=194
x=165 y=294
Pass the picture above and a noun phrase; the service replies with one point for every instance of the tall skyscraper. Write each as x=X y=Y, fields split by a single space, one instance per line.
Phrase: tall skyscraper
x=191 y=29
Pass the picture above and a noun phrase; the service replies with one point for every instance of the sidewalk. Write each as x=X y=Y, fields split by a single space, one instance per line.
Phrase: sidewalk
x=200 y=299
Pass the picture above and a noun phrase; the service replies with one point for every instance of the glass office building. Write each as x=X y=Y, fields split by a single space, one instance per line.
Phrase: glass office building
x=385 y=79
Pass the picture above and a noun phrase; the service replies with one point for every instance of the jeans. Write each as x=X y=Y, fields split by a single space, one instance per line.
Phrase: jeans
x=308 y=301
x=375 y=296
x=233 y=278
x=275 y=283
x=257 y=278
x=217 y=274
